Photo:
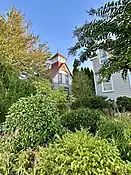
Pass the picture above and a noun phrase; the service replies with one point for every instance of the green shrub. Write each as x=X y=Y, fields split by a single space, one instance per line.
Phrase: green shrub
x=7 y=153
x=117 y=131
x=6 y=163
x=111 y=129
x=21 y=163
x=79 y=153
x=13 y=162
x=35 y=119
x=83 y=117
x=93 y=102
x=8 y=143
x=124 y=103
x=24 y=163
x=59 y=96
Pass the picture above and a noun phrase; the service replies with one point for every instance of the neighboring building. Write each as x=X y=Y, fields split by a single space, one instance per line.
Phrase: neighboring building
x=114 y=88
x=59 y=72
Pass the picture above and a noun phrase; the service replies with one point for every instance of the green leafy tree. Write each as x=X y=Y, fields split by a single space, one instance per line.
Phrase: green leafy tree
x=19 y=47
x=110 y=31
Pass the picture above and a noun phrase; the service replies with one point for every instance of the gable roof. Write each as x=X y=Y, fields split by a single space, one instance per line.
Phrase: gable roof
x=58 y=54
x=53 y=71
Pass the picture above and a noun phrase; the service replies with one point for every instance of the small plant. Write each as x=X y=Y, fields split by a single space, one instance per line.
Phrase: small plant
x=124 y=104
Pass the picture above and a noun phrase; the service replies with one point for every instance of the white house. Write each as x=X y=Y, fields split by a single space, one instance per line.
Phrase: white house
x=114 y=88
x=59 y=72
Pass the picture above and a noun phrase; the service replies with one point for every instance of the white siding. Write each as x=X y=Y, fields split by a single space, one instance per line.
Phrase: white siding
x=121 y=87
x=55 y=81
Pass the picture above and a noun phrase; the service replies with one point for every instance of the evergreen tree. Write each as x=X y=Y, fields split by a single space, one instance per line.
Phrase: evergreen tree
x=82 y=85
x=75 y=66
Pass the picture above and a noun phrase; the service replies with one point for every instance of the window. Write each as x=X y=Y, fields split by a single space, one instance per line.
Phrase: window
x=129 y=74
x=59 y=78
x=66 y=79
x=107 y=86
x=102 y=56
x=66 y=89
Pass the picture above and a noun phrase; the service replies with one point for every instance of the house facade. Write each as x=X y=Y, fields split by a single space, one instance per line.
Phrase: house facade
x=114 y=88
x=59 y=72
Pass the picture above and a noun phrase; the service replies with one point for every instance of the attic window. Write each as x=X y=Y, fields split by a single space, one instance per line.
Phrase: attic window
x=59 y=78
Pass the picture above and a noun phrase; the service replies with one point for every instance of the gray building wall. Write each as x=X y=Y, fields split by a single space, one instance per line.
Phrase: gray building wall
x=121 y=87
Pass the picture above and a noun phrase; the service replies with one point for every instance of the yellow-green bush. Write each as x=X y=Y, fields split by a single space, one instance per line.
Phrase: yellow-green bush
x=79 y=154
x=74 y=154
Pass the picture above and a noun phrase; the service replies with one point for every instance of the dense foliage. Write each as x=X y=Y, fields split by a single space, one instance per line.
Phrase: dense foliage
x=19 y=47
x=35 y=119
x=77 y=153
x=117 y=131
x=80 y=153
x=81 y=118
x=93 y=102
x=59 y=96
x=123 y=104
x=83 y=83
x=109 y=31
x=12 y=88
x=41 y=134
x=20 y=52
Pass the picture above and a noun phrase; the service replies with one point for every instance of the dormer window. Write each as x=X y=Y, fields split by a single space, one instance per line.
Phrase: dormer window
x=59 y=78
x=102 y=56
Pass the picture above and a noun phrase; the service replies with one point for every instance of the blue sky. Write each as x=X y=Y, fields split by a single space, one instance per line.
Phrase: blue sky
x=54 y=20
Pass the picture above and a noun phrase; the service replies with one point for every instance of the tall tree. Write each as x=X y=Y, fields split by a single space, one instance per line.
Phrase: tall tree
x=19 y=47
x=110 y=31
x=82 y=85
x=75 y=66
x=20 y=50
x=90 y=76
